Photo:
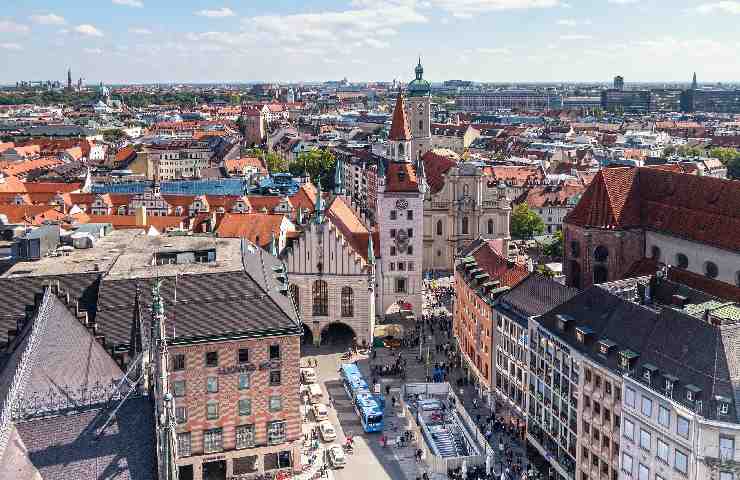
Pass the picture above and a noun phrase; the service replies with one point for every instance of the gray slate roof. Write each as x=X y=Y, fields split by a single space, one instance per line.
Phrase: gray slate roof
x=535 y=295
x=696 y=352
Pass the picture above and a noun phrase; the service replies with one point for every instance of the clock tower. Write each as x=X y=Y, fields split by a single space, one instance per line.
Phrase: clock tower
x=400 y=217
x=419 y=111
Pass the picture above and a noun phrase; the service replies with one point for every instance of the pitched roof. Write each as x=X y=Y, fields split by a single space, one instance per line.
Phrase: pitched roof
x=490 y=260
x=34 y=214
x=699 y=208
x=399 y=126
x=437 y=163
x=536 y=295
x=353 y=230
x=258 y=228
x=401 y=177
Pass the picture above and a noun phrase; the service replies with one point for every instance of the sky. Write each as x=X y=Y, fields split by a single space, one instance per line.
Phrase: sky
x=145 y=41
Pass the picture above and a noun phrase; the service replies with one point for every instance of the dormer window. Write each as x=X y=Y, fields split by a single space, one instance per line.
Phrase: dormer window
x=649 y=371
x=723 y=405
x=670 y=381
x=564 y=321
x=582 y=334
x=401 y=175
x=692 y=392
x=627 y=359
x=605 y=346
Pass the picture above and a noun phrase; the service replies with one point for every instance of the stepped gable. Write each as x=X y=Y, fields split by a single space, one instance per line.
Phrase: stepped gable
x=351 y=227
x=18 y=294
x=400 y=130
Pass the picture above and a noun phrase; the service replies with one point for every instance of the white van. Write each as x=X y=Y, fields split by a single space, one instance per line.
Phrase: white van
x=315 y=394
x=308 y=376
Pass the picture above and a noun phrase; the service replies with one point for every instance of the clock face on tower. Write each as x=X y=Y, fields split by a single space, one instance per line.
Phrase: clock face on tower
x=402 y=204
x=420 y=108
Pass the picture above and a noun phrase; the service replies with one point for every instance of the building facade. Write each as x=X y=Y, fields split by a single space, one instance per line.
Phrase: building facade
x=419 y=111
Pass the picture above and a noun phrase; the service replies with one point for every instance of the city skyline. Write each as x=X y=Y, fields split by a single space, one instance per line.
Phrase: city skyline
x=142 y=41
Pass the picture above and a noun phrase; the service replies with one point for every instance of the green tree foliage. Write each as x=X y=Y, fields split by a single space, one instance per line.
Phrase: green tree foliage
x=525 y=223
x=555 y=249
x=319 y=164
x=684 y=151
x=730 y=157
x=113 y=135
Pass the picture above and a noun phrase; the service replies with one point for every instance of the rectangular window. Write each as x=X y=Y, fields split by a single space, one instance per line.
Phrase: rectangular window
x=627 y=464
x=643 y=473
x=243 y=381
x=393 y=214
x=212 y=410
x=276 y=432
x=409 y=214
x=178 y=361
x=393 y=251
x=181 y=414
x=212 y=359
x=664 y=416
x=726 y=476
x=245 y=407
x=276 y=403
x=212 y=384
x=662 y=451
x=629 y=397
x=274 y=378
x=244 y=436
x=629 y=429
x=183 y=444
x=213 y=440
x=681 y=462
x=393 y=233
x=410 y=231
x=400 y=285
x=392 y=267
x=243 y=356
x=411 y=266
x=645 y=440
x=727 y=448
x=178 y=388
x=410 y=250
x=682 y=426
x=647 y=407
x=401 y=266
x=274 y=352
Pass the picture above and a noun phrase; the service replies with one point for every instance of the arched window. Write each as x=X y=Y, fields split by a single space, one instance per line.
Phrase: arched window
x=601 y=254
x=575 y=249
x=348 y=302
x=490 y=226
x=574 y=279
x=400 y=149
x=439 y=227
x=320 y=298
x=465 y=225
x=655 y=253
x=295 y=295
x=711 y=270
x=682 y=261
x=466 y=190
x=122 y=210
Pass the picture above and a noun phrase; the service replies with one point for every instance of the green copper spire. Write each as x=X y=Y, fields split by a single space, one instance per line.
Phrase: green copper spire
x=319 y=207
x=338 y=178
x=157 y=304
x=381 y=168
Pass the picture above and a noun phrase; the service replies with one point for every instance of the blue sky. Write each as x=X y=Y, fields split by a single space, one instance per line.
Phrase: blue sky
x=139 y=41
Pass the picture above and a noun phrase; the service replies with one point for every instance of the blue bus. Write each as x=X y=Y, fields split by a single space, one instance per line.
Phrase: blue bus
x=369 y=406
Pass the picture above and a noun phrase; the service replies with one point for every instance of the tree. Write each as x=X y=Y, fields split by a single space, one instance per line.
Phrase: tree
x=555 y=249
x=733 y=168
x=114 y=135
x=318 y=164
x=525 y=223
x=725 y=155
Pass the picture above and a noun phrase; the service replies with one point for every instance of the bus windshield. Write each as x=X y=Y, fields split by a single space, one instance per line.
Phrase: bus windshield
x=373 y=419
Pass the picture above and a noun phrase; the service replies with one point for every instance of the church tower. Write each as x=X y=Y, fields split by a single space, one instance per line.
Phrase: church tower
x=419 y=111
x=400 y=217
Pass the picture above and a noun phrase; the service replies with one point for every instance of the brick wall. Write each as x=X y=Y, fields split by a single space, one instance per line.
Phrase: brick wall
x=196 y=395
x=467 y=312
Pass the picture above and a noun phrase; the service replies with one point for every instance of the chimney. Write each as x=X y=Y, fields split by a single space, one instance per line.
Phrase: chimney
x=140 y=214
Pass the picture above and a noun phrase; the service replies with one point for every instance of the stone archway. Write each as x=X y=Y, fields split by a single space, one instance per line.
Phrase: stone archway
x=307 y=338
x=338 y=334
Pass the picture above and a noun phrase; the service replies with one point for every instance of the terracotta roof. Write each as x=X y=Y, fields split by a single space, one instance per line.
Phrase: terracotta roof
x=547 y=195
x=20 y=168
x=125 y=154
x=353 y=230
x=118 y=221
x=437 y=163
x=699 y=208
x=239 y=164
x=31 y=214
x=399 y=127
x=10 y=183
x=51 y=187
x=6 y=145
x=258 y=228
x=74 y=152
x=305 y=198
x=489 y=259
x=516 y=175
x=268 y=202
x=401 y=177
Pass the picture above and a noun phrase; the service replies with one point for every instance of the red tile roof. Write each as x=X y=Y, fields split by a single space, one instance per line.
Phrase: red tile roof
x=489 y=259
x=698 y=208
x=20 y=168
x=353 y=230
x=239 y=164
x=400 y=127
x=436 y=164
x=51 y=187
x=30 y=214
x=258 y=228
x=401 y=177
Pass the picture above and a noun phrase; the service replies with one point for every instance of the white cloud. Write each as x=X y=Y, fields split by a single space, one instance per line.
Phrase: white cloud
x=48 y=19
x=140 y=31
x=7 y=26
x=10 y=46
x=129 y=3
x=623 y=2
x=218 y=13
x=494 y=51
x=725 y=6
x=469 y=8
x=569 y=22
x=575 y=36
x=89 y=30
x=93 y=51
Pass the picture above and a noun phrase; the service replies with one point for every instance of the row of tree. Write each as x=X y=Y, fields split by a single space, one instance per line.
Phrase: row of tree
x=730 y=157
x=318 y=164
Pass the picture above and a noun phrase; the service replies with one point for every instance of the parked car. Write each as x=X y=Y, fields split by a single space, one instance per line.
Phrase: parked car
x=337 y=459
x=320 y=412
x=327 y=431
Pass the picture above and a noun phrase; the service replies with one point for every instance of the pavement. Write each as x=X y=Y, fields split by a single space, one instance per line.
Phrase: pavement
x=370 y=459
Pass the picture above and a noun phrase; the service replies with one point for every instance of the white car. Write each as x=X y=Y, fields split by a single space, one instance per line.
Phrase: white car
x=337 y=459
x=320 y=412
x=327 y=431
